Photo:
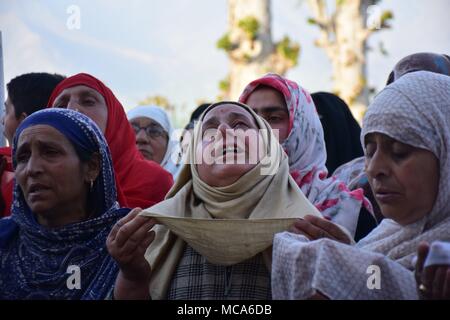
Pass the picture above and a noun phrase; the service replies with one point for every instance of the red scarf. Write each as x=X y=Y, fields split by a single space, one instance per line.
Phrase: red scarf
x=7 y=182
x=139 y=182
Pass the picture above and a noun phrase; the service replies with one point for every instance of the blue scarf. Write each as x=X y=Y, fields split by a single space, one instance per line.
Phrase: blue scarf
x=41 y=263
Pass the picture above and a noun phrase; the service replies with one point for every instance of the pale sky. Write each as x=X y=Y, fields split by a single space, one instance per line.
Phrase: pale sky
x=148 y=47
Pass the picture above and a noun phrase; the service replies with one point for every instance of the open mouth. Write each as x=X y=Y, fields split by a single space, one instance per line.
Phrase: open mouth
x=231 y=149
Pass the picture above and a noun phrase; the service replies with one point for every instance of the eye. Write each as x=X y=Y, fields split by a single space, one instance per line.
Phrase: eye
x=241 y=124
x=370 y=149
x=209 y=135
x=274 y=118
x=88 y=102
x=22 y=157
x=50 y=152
x=61 y=103
x=400 y=154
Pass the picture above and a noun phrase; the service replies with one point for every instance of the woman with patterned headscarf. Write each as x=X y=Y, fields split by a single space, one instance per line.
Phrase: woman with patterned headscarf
x=65 y=204
x=290 y=109
x=406 y=139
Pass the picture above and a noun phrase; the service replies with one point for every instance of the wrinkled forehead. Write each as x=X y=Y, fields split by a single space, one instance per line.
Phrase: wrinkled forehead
x=41 y=133
x=227 y=111
x=145 y=122
x=79 y=91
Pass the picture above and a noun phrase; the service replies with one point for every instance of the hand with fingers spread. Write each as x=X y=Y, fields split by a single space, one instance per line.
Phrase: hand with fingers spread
x=433 y=282
x=127 y=243
x=316 y=228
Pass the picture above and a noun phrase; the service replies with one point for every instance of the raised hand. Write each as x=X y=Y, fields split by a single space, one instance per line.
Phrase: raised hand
x=127 y=243
x=316 y=228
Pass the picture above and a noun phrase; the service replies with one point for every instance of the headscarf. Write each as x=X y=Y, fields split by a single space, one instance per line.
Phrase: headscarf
x=169 y=161
x=341 y=130
x=34 y=260
x=226 y=225
x=305 y=147
x=425 y=61
x=352 y=173
x=414 y=110
x=139 y=183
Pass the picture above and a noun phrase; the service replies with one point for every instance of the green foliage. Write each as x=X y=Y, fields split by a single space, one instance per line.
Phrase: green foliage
x=288 y=49
x=386 y=16
x=250 y=25
x=158 y=100
x=382 y=49
x=340 y=2
x=312 y=21
x=224 y=43
x=224 y=85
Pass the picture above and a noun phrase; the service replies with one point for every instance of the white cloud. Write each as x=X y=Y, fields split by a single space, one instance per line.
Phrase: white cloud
x=23 y=49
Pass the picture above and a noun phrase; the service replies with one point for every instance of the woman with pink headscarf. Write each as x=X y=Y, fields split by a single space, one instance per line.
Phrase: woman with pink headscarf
x=290 y=109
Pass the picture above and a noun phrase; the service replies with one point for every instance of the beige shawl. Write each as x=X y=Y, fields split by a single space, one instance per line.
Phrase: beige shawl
x=226 y=225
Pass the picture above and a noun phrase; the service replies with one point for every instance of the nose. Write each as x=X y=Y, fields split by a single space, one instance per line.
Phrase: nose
x=377 y=166
x=34 y=165
x=141 y=137
x=222 y=132
x=73 y=105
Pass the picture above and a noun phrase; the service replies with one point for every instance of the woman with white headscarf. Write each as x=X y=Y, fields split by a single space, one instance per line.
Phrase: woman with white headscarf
x=406 y=139
x=154 y=136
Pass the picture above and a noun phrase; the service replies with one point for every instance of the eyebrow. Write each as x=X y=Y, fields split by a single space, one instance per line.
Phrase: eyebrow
x=211 y=121
x=270 y=109
x=234 y=115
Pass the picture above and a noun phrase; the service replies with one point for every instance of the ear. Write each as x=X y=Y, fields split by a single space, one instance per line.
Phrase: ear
x=93 y=167
x=22 y=117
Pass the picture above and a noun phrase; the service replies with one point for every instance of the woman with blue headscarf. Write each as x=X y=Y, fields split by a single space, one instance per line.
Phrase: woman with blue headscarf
x=53 y=245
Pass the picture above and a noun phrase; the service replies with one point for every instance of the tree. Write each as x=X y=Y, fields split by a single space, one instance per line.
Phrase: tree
x=343 y=36
x=249 y=45
x=159 y=101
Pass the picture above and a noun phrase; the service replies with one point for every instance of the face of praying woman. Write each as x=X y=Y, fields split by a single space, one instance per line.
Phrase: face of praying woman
x=87 y=101
x=404 y=179
x=151 y=139
x=269 y=104
x=53 y=180
x=227 y=157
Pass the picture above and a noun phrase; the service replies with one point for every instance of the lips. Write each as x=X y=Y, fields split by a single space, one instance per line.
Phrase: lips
x=37 y=189
x=145 y=152
x=231 y=149
x=386 y=196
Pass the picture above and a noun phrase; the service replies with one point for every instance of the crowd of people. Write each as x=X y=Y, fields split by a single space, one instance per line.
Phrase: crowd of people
x=278 y=195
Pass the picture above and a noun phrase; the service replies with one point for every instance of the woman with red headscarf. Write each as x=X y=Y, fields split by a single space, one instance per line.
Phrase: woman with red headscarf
x=140 y=183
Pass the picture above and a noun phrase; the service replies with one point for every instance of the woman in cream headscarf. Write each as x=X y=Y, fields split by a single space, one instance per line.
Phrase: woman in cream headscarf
x=218 y=218
x=406 y=137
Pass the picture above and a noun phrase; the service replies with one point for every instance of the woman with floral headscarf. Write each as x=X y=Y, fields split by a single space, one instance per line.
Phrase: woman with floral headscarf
x=290 y=109
x=406 y=139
